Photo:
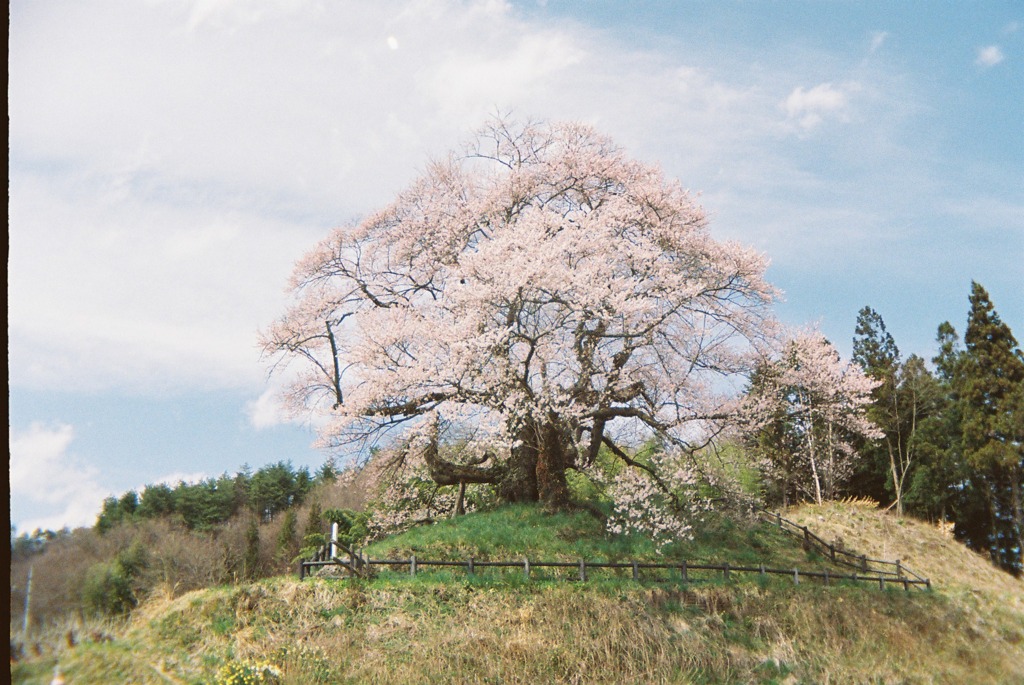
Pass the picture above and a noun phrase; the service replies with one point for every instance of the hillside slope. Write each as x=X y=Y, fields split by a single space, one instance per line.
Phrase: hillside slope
x=433 y=628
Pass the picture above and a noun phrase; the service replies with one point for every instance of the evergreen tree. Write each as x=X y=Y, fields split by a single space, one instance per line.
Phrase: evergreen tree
x=117 y=510
x=286 y=546
x=328 y=471
x=157 y=501
x=941 y=488
x=276 y=487
x=243 y=481
x=314 y=521
x=991 y=378
x=205 y=504
x=251 y=561
x=905 y=396
x=875 y=350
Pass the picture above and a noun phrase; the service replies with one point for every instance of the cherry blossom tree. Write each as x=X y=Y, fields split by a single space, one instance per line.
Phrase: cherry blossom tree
x=807 y=409
x=526 y=300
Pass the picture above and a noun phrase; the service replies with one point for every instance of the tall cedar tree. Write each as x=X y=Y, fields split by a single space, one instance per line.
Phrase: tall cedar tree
x=991 y=381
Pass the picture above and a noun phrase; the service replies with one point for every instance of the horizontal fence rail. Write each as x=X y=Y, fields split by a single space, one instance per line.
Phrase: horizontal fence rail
x=360 y=566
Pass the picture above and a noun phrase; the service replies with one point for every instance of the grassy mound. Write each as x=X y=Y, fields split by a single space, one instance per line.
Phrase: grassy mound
x=517 y=531
x=438 y=628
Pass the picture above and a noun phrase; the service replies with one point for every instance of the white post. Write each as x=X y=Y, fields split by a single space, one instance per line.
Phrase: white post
x=334 y=540
x=28 y=603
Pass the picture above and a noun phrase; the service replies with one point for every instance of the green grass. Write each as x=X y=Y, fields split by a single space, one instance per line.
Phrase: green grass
x=516 y=531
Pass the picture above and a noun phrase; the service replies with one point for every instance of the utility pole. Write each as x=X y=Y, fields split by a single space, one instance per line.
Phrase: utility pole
x=28 y=603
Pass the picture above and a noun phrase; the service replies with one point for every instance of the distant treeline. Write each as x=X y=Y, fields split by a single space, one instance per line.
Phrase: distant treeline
x=201 y=506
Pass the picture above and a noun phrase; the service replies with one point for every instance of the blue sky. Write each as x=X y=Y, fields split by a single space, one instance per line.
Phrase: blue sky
x=170 y=160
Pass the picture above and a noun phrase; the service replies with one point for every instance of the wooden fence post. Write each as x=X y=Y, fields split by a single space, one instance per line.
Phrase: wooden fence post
x=725 y=571
x=881 y=582
x=583 y=570
x=796 y=576
x=412 y=566
x=526 y=567
x=636 y=571
x=899 y=569
x=686 y=576
x=470 y=566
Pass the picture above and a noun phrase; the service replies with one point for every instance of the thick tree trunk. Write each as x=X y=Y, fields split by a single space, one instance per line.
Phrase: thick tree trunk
x=519 y=482
x=552 y=462
x=536 y=471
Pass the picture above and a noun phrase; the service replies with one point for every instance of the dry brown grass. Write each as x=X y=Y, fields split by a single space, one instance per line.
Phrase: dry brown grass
x=924 y=548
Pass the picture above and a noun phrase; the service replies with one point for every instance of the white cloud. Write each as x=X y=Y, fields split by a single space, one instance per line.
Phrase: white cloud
x=173 y=479
x=266 y=411
x=159 y=296
x=184 y=154
x=465 y=80
x=46 y=476
x=809 y=108
x=989 y=56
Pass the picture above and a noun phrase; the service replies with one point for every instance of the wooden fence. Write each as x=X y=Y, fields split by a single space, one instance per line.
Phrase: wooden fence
x=877 y=567
x=361 y=566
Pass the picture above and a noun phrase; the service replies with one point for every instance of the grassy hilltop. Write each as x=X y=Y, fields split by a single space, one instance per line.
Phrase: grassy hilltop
x=496 y=627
